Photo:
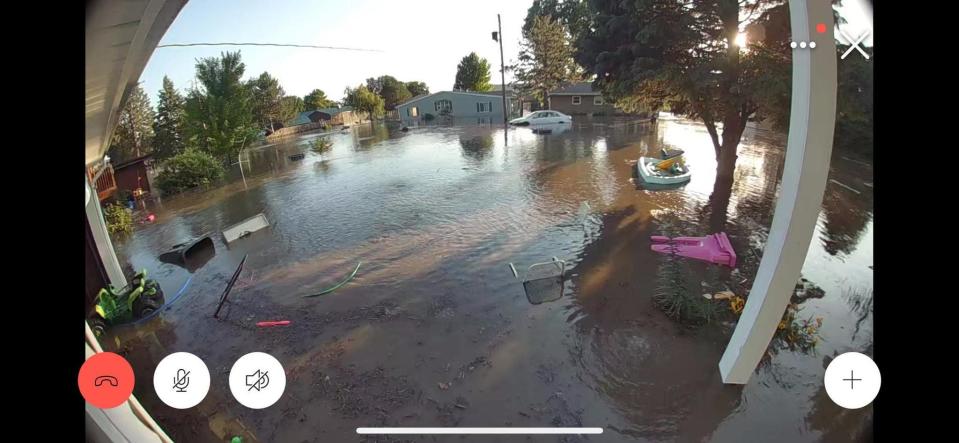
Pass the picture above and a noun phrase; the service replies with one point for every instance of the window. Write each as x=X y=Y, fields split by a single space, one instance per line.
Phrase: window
x=598 y=100
x=577 y=99
x=484 y=107
x=443 y=106
x=413 y=112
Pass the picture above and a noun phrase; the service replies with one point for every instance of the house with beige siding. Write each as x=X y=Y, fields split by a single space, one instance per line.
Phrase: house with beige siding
x=580 y=99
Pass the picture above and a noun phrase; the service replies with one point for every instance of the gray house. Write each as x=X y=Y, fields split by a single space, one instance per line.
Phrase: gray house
x=485 y=107
x=580 y=99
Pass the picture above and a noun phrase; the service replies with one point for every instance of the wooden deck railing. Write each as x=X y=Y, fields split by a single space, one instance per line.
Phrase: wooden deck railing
x=105 y=183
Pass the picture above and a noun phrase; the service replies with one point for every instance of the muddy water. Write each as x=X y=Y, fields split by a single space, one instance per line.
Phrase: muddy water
x=435 y=330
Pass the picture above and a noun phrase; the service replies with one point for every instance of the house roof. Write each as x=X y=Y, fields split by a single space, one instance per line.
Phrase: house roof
x=304 y=117
x=579 y=88
x=422 y=96
x=335 y=111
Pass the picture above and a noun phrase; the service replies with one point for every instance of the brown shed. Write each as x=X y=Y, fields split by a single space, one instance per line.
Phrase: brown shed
x=134 y=174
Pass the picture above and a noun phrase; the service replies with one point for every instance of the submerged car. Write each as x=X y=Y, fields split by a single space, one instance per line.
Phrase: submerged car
x=542 y=118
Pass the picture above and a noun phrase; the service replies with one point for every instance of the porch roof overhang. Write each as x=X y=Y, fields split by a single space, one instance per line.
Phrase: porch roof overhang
x=120 y=37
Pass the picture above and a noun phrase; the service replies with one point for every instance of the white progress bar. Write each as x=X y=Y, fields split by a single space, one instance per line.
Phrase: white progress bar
x=487 y=431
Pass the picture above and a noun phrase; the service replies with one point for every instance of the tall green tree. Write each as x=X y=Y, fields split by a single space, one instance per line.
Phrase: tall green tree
x=266 y=94
x=363 y=100
x=545 y=58
x=472 y=74
x=417 y=88
x=133 y=136
x=317 y=99
x=394 y=92
x=573 y=14
x=219 y=111
x=290 y=107
x=655 y=53
x=375 y=84
x=168 y=122
x=390 y=89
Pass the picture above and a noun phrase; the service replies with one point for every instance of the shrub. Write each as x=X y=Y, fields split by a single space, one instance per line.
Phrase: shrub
x=428 y=117
x=189 y=169
x=118 y=219
x=677 y=300
x=320 y=145
x=678 y=297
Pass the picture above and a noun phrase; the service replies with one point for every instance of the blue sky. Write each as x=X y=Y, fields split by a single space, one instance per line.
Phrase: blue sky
x=421 y=40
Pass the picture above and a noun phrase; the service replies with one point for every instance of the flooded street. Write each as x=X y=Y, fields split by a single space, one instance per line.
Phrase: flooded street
x=434 y=330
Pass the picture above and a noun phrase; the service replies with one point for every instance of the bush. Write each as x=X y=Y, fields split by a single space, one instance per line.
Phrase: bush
x=680 y=298
x=320 y=145
x=428 y=117
x=189 y=169
x=118 y=219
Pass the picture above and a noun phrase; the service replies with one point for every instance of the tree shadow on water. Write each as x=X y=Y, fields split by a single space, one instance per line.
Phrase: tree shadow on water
x=478 y=147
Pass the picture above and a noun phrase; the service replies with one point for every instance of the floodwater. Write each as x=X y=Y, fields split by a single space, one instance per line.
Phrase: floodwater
x=435 y=330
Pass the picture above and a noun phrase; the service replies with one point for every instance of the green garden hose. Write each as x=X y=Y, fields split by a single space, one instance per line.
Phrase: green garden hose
x=327 y=291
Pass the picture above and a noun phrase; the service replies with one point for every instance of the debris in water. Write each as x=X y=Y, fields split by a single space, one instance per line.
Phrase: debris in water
x=273 y=323
x=723 y=295
x=226 y=292
x=245 y=228
x=443 y=386
x=708 y=296
x=347 y=280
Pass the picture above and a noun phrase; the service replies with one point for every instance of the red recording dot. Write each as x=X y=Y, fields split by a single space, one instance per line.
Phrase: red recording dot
x=821 y=28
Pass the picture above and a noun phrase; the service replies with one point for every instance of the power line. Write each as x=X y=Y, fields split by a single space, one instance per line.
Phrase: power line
x=180 y=45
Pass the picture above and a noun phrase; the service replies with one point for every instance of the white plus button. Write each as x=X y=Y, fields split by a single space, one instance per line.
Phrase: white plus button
x=852 y=380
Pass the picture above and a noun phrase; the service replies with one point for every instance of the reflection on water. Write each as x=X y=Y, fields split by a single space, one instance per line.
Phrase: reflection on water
x=435 y=213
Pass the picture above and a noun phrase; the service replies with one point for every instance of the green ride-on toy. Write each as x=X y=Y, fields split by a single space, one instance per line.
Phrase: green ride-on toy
x=137 y=300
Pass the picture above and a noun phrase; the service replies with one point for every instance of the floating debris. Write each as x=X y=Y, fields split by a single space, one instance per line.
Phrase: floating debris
x=340 y=284
x=723 y=295
x=226 y=292
x=245 y=227
x=263 y=324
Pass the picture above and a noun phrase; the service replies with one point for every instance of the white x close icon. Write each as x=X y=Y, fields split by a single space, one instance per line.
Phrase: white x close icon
x=855 y=44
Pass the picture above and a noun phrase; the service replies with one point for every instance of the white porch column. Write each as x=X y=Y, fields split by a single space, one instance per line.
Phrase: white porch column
x=102 y=239
x=808 y=150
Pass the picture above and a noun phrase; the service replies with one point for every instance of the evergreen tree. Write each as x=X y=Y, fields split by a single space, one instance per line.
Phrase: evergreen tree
x=133 y=136
x=168 y=123
x=472 y=74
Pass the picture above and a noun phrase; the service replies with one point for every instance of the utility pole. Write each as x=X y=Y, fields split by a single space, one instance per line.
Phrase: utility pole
x=502 y=65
